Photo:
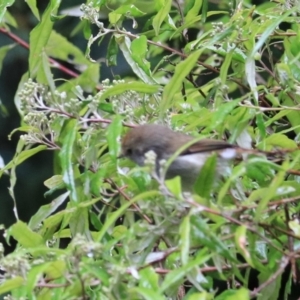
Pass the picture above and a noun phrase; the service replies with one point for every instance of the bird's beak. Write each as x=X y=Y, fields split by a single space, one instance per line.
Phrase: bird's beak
x=121 y=155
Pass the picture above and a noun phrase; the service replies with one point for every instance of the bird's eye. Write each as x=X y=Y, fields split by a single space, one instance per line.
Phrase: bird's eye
x=129 y=152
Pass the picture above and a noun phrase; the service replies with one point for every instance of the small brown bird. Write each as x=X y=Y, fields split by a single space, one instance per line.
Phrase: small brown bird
x=164 y=143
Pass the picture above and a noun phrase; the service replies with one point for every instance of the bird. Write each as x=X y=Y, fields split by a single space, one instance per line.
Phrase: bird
x=164 y=142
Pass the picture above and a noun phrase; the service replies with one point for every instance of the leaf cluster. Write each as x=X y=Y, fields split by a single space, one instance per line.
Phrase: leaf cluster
x=224 y=71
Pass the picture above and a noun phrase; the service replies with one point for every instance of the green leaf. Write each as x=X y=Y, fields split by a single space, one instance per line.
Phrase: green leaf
x=114 y=17
x=115 y=215
x=129 y=86
x=220 y=115
x=46 y=210
x=200 y=296
x=260 y=171
x=54 y=182
x=87 y=80
x=59 y=47
x=124 y=11
x=241 y=242
x=184 y=233
x=277 y=140
x=79 y=223
x=192 y=23
x=107 y=107
x=139 y=51
x=274 y=23
x=237 y=53
x=207 y=177
x=119 y=231
x=295 y=227
x=17 y=100
x=25 y=236
x=270 y=291
x=53 y=221
x=3 y=7
x=202 y=233
x=188 y=5
x=260 y=125
x=175 y=84
x=174 y=186
x=175 y=277
x=149 y=278
x=39 y=37
x=9 y=19
x=129 y=10
x=193 y=11
x=204 y=10
x=148 y=294
x=112 y=52
x=44 y=75
x=125 y=46
x=34 y=275
x=225 y=66
x=11 y=284
x=33 y=7
x=113 y=137
x=272 y=191
x=186 y=24
x=161 y=15
x=240 y=294
x=22 y=157
x=66 y=156
x=292 y=116
x=3 y=52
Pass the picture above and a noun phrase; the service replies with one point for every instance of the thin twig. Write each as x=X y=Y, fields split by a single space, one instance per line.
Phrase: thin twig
x=26 y=46
x=290 y=243
x=127 y=198
x=283 y=264
x=234 y=221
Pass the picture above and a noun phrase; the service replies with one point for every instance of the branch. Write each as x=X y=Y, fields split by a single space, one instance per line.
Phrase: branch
x=25 y=45
x=284 y=262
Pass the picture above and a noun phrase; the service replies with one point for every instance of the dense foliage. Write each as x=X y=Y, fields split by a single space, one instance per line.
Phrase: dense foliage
x=216 y=69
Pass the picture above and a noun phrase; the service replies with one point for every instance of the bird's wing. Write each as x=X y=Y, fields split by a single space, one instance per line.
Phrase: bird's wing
x=208 y=146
